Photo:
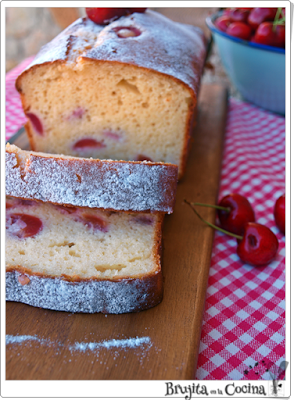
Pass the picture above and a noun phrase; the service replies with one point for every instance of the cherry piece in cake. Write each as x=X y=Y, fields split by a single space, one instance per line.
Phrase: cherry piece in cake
x=144 y=220
x=126 y=31
x=37 y=124
x=142 y=157
x=88 y=143
x=23 y=225
x=93 y=221
x=112 y=135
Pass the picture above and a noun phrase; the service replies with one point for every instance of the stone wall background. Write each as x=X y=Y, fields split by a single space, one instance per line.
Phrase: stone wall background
x=29 y=28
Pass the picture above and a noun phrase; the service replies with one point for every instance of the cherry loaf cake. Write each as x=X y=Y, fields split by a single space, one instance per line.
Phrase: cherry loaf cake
x=111 y=185
x=125 y=91
x=78 y=259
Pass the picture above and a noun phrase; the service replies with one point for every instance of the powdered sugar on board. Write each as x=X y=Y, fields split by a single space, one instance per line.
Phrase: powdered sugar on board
x=20 y=339
x=84 y=346
x=125 y=186
x=141 y=345
x=113 y=343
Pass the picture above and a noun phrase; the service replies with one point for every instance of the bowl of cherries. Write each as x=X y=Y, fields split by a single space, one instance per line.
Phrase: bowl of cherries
x=251 y=44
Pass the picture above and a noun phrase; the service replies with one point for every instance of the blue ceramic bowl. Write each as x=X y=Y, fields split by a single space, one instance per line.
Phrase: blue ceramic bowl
x=257 y=71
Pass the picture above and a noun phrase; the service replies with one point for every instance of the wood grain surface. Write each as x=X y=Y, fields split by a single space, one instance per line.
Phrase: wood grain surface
x=173 y=328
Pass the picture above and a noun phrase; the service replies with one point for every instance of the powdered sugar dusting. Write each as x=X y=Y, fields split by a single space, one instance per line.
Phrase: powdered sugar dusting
x=165 y=46
x=108 y=297
x=116 y=185
x=113 y=343
x=20 y=339
x=130 y=343
x=28 y=340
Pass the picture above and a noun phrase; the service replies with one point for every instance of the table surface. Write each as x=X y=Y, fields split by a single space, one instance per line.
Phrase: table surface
x=243 y=329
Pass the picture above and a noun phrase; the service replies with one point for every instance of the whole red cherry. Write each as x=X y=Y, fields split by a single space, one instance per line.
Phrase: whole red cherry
x=239 y=14
x=265 y=34
x=259 y=15
x=279 y=213
x=239 y=212
x=259 y=245
x=222 y=23
x=104 y=16
x=239 y=30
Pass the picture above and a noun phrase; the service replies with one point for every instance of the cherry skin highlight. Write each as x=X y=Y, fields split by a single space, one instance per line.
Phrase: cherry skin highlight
x=259 y=245
x=222 y=23
x=265 y=34
x=239 y=14
x=259 y=15
x=239 y=30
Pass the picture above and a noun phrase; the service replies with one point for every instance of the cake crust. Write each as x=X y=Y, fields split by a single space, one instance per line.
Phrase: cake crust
x=91 y=296
x=111 y=185
x=159 y=48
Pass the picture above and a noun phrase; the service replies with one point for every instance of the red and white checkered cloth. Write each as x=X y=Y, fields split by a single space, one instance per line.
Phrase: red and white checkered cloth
x=243 y=332
x=15 y=117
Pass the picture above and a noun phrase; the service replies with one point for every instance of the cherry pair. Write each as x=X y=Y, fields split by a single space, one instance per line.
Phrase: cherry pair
x=257 y=244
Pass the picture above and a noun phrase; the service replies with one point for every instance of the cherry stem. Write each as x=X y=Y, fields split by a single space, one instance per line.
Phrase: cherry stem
x=277 y=20
x=212 y=225
x=212 y=206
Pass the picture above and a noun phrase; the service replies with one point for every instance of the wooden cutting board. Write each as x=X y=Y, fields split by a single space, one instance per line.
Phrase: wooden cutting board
x=170 y=332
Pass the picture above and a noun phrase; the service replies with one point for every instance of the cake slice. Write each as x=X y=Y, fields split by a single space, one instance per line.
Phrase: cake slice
x=78 y=259
x=125 y=91
x=112 y=185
